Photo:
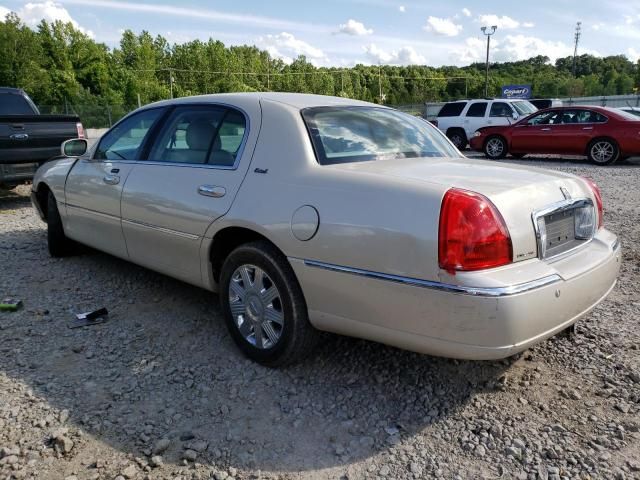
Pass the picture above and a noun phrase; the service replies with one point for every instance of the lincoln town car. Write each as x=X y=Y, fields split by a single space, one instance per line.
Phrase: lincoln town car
x=308 y=213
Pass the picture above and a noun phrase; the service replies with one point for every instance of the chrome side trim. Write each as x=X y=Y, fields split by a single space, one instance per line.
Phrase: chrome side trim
x=446 y=287
x=616 y=244
x=168 y=231
x=94 y=212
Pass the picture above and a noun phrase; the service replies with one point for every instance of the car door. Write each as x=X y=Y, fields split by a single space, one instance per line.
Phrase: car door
x=579 y=126
x=536 y=135
x=94 y=185
x=475 y=117
x=189 y=179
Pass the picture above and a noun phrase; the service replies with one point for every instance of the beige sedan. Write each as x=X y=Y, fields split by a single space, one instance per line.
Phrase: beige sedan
x=310 y=213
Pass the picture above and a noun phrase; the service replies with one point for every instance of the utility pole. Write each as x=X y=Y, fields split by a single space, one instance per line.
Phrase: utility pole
x=488 y=34
x=576 y=38
x=380 y=81
x=171 y=82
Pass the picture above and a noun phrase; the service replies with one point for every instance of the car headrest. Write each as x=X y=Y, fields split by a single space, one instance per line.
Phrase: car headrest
x=199 y=134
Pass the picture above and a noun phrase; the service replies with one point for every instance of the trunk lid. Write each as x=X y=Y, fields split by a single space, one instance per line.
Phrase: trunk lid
x=516 y=191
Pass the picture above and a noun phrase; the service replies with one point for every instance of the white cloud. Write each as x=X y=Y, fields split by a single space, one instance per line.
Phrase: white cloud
x=466 y=12
x=633 y=54
x=597 y=26
x=286 y=47
x=528 y=24
x=402 y=9
x=4 y=12
x=353 y=27
x=33 y=13
x=502 y=22
x=512 y=48
x=404 y=56
x=442 y=26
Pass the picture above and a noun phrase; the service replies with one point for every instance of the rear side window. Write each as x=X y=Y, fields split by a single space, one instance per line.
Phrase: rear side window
x=477 y=109
x=200 y=134
x=12 y=104
x=452 y=109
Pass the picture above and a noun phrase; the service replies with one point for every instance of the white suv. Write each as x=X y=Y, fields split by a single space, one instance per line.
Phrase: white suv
x=459 y=120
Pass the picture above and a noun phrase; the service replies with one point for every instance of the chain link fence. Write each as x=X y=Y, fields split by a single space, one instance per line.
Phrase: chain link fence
x=91 y=116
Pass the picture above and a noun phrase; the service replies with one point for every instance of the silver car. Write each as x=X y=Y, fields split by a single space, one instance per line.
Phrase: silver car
x=310 y=213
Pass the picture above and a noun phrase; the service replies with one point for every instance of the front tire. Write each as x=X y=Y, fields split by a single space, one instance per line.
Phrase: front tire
x=58 y=243
x=457 y=137
x=603 y=151
x=495 y=148
x=264 y=307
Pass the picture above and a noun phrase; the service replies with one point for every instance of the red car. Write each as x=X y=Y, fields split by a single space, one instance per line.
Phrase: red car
x=602 y=134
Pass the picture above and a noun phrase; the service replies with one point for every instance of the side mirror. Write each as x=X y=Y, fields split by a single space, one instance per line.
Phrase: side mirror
x=74 y=147
x=515 y=116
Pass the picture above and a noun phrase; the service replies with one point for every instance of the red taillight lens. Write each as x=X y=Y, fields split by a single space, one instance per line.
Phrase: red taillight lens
x=472 y=235
x=80 y=130
x=598 y=196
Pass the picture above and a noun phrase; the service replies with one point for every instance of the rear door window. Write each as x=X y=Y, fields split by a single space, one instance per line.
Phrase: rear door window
x=453 y=109
x=477 y=109
x=13 y=104
x=200 y=134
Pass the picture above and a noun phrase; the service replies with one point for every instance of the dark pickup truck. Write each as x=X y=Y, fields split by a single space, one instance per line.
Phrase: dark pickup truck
x=28 y=139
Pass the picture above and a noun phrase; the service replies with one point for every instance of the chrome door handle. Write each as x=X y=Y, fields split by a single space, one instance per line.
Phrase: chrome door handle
x=587 y=128
x=211 y=191
x=111 y=179
x=545 y=129
x=19 y=136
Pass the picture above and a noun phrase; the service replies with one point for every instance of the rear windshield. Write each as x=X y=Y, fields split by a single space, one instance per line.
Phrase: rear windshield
x=629 y=114
x=12 y=104
x=453 y=109
x=360 y=134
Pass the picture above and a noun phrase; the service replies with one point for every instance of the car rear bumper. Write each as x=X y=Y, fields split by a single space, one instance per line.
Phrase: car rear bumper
x=482 y=323
x=15 y=174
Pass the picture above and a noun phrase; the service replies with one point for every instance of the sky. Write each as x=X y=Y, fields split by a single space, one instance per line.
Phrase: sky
x=347 y=32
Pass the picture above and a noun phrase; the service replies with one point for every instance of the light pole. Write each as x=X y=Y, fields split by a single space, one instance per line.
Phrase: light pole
x=488 y=34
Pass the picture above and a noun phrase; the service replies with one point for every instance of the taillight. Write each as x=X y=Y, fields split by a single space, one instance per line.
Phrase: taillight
x=472 y=235
x=79 y=130
x=598 y=196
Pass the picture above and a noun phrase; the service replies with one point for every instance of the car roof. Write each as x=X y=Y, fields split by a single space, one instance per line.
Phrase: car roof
x=17 y=91
x=297 y=100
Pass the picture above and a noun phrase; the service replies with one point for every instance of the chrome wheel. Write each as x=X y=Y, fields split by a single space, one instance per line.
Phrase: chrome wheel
x=602 y=152
x=256 y=306
x=495 y=147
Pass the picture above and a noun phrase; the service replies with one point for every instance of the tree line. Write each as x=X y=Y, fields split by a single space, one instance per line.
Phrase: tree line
x=58 y=65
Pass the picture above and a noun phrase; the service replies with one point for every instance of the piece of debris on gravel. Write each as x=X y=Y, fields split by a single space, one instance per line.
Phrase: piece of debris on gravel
x=161 y=392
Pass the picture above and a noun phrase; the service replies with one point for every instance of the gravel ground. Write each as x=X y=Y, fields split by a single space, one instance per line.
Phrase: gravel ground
x=161 y=392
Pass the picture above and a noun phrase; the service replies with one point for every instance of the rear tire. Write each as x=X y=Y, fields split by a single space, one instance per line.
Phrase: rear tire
x=264 y=306
x=59 y=244
x=603 y=151
x=495 y=148
x=458 y=138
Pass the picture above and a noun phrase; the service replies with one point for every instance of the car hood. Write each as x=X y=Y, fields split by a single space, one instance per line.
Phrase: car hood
x=517 y=191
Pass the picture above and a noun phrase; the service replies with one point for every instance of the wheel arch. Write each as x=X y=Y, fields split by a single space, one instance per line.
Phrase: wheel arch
x=602 y=137
x=42 y=197
x=226 y=240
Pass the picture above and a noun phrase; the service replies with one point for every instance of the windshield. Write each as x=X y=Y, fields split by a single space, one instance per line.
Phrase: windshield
x=360 y=134
x=524 y=108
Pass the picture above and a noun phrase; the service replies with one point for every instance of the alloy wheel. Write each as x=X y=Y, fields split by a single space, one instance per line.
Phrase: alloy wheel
x=256 y=306
x=495 y=147
x=602 y=152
